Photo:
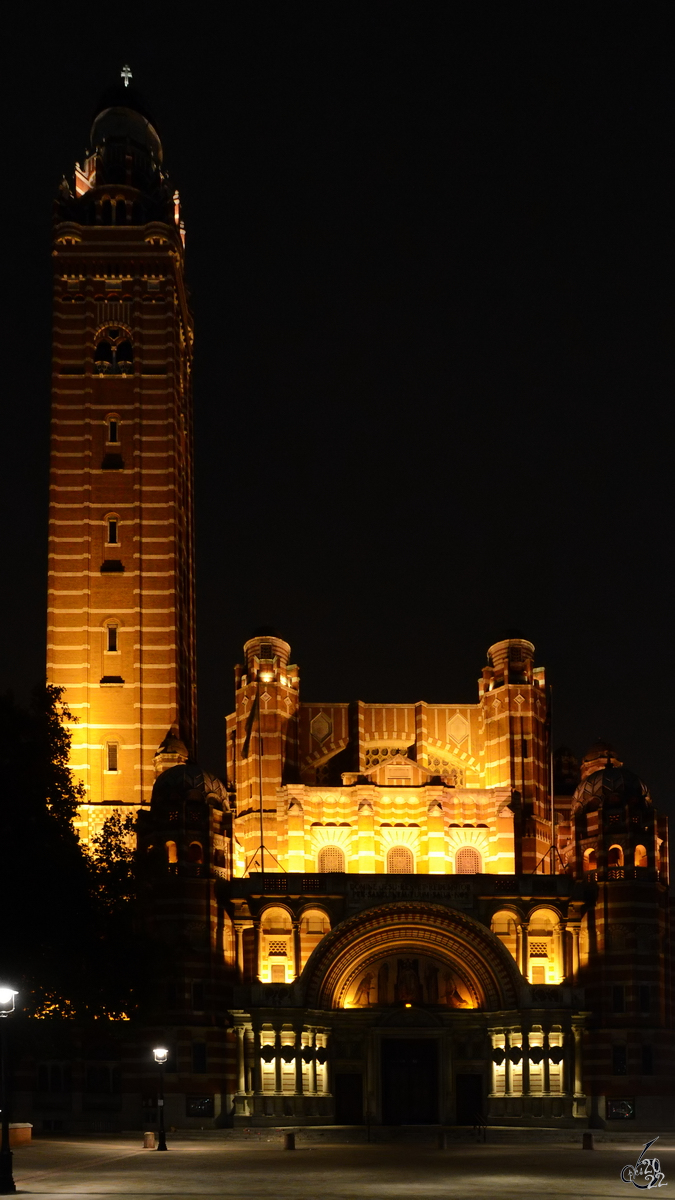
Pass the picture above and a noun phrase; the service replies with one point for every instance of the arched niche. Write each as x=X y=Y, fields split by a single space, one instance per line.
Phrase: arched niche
x=504 y=924
x=314 y=925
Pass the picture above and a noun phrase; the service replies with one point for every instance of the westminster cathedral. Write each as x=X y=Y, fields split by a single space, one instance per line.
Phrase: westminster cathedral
x=385 y=914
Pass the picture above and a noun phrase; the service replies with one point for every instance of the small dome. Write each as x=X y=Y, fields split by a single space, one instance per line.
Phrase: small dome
x=173 y=744
x=610 y=784
x=266 y=631
x=123 y=116
x=187 y=781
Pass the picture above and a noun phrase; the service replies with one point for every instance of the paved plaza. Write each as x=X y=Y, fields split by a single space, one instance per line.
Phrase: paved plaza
x=262 y=1170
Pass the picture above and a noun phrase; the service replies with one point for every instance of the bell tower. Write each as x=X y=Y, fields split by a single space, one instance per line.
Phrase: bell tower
x=121 y=570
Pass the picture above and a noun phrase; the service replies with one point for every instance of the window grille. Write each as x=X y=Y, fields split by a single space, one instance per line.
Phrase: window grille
x=400 y=861
x=331 y=859
x=538 y=949
x=277 y=948
x=468 y=861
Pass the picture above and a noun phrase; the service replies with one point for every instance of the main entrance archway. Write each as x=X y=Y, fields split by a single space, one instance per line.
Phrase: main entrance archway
x=411 y=953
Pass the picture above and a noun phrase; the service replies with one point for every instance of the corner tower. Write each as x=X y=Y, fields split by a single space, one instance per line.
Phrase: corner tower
x=121 y=571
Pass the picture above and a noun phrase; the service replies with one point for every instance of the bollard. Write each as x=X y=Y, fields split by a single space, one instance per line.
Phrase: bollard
x=148 y=1141
x=587 y=1141
x=289 y=1141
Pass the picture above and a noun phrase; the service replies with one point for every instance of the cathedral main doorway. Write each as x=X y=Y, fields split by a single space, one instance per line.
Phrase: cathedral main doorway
x=409 y=1081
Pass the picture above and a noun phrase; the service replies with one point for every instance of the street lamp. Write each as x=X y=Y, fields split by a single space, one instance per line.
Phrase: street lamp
x=7 y=1184
x=161 y=1055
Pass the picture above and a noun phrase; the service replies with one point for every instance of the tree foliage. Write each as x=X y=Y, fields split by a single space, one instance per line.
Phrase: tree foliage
x=69 y=940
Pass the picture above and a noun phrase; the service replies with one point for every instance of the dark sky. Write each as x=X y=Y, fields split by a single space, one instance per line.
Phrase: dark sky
x=430 y=253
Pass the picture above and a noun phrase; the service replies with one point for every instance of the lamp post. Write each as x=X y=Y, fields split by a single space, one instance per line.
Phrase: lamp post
x=161 y=1055
x=7 y=1184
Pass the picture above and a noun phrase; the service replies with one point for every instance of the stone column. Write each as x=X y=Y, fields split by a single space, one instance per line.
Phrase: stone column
x=278 y=1082
x=526 y=1063
x=249 y=1059
x=328 y=1068
x=257 y=1063
x=240 y=952
x=519 y=946
x=575 y=929
x=507 y=1062
x=578 y=1076
x=312 y=1065
x=241 y=1065
x=525 y=949
x=257 y=951
x=297 y=950
x=559 y=951
x=546 y=1082
x=298 y=1061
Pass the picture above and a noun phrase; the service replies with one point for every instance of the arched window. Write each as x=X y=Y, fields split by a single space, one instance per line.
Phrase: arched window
x=331 y=859
x=112 y=757
x=615 y=857
x=111 y=638
x=125 y=353
x=171 y=853
x=113 y=429
x=640 y=858
x=114 y=354
x=112 y=524
x=120 y=213
x=106 y=212
x=590 y=860
x=400 y=861
x=195 y=853
x=468 y=861
x=503 y=924
x=103 y=354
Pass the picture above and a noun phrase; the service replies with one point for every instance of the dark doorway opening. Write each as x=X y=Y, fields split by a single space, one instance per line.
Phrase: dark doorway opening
x=349 y=1099
x=469 y=1097
x=410 y=1081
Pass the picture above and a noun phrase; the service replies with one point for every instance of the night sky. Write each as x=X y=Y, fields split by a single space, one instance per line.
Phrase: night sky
x=430 y=255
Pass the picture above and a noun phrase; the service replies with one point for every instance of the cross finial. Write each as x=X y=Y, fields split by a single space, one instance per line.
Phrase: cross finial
x=126 y=74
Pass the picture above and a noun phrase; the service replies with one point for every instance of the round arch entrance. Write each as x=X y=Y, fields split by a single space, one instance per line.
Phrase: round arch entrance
x=410 y=976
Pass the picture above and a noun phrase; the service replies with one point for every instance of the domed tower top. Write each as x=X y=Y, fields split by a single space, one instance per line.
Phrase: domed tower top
x=613 y=783
x=267 y=654
x=597 y=757
x=124 y=138
x=512 y=659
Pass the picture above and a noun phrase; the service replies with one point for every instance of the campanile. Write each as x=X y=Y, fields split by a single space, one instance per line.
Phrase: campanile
x=121 y=569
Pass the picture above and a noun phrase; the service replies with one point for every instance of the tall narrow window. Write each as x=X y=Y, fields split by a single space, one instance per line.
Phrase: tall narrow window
x=618 y=998
x=199 y=1058
x=647 y=1060
x=111 y=756
x=618 y=1060
x=112 y=641
x=113 y=430
x=112 y=531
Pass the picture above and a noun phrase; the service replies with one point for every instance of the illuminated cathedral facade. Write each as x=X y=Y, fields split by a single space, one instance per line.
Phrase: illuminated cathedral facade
x=385 y=913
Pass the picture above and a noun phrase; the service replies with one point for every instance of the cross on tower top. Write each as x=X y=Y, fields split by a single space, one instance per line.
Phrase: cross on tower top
x=126 y=74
